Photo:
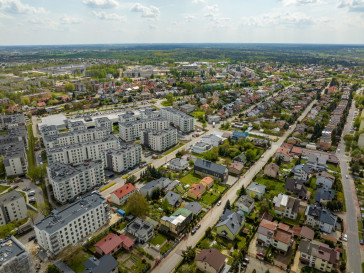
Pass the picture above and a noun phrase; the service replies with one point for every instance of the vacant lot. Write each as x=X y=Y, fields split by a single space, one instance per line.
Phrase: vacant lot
x=191 y=179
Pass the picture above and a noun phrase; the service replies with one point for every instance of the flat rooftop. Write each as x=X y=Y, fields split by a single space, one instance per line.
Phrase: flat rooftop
x=9 y=249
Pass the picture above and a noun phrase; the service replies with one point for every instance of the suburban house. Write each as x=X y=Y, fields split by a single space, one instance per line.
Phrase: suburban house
x=318 y=216
x=196 y=191
x=236 y=135
x=317 y=163
x=149 y=187
x=272 y=170
x=277 y=235
x=283 y=154
x=230 y=224
x=201 y=147
x=323 y=195
x=240 y=158
x=207 y=168
x=301 y=172
x=177 y=221
x=212 y=139
x=210 y=260
x=286 y=206
x=173 y=198
x=236 y=168
x=296 y=187
x=207 y=181
x=318 y=255
x=141 y=230
x=122 y=194
x=245 y=203
x=111 y=243
x=194 y=207
x=324 y=179
x=255 y=190
x=178 y=164
x=106 y=264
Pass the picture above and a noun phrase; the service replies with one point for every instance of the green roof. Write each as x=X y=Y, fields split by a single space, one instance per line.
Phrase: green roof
x=182 y=211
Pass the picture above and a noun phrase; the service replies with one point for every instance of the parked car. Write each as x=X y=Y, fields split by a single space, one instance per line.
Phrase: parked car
x=246 y=260
x=15 y=187
x=346 y=176
x=219 y=203
x=32 y=200
x=32 y=193
x=361 y=241
x=345 y=237
x=193 y=231
x=31 y=238
x=198 y=226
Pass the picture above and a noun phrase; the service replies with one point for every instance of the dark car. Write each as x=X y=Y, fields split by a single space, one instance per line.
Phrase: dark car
x=198 y=226
x=31 y=238
x=15 y=187
x=361 y=241
x=193 y=231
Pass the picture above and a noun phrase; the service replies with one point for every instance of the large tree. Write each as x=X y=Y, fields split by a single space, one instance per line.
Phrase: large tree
x=137 y=205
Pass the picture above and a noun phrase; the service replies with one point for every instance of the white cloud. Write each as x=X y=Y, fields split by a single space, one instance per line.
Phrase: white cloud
x=285 y=18
x=352 y=5
x=16 y=6
x=299 y=2
x=152 y=26
x=102 y=4
x=199 y=1
x=70 y=20
x=212 y=8
x=108 y=16
x=148 y=12
x=189 y=18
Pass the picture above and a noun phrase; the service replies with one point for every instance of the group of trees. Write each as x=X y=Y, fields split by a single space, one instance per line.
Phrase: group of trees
x=150 y=173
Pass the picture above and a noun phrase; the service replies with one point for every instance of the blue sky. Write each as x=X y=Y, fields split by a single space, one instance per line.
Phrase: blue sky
x=38 y=22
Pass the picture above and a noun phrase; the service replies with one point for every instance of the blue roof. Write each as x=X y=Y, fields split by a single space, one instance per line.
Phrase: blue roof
x=240 y=134
x=121 y=212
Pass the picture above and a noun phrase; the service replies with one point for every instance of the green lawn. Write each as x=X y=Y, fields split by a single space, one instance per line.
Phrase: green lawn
x=333 y=168
x=138 y=264
x=158 y=240
x=191 y=179
x=209 y=197
x=166 y=247
x=360 y=229
x=173 y=149
x=219 y=188
x=3 y=188
x=197 y=114
x=76 y=260
x=272 y=186
x=166 y=103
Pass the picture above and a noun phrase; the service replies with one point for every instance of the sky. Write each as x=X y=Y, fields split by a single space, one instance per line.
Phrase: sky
x=52 y=22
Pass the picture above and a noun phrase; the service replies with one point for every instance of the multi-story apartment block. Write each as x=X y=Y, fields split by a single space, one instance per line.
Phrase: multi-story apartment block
x=123 y=158
x=15 y=159
x=75 y=126
x=79 y=136
x=129 y=116
x=159 y=140
x=72 y=224
x=149 y=114
x=286 y=206
x=318 y=255
x=129 y=131
x=48 y=130
x=14 y=257
x=8 y=121
x=70 y=181
x=104 y=122
x=79 y=152
x=178 y=119
x=12 y=207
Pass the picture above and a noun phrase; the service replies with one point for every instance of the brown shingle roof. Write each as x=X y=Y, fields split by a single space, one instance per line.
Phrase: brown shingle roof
x=213 y=257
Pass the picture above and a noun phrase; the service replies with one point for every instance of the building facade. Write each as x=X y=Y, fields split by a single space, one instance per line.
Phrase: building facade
x=178 y=119
x=159 y=140
x=12 y=207
x=123 y=158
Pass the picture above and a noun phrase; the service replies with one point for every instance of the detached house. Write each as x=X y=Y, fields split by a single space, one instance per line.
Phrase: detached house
x=318 y=255
x=318 y=216
x=207 y=168
x=255 y=190
x=245 y=203
x=301 y=172
x=325 y=179
x=277 y=235
x=141 y=230
x=210 y=260
x=121 y=195
x=317 y=163
x=286 y=206
x=178 y=164
x=173 y=198
x=283 y=154
x=230 y=224
x=177 y=221
x=296 y=187
x=272 y=170
x=196 y=191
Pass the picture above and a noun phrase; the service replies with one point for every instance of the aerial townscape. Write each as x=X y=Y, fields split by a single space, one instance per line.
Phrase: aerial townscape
x=147 y=157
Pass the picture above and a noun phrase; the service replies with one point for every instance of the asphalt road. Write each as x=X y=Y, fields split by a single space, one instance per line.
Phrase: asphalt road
x=353 y=248
x=171 y=261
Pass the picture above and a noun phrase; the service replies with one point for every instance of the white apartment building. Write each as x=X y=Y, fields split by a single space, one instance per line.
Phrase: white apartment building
x=48 y=130
x=159 y=140
x=149 y=113
x=104 y=122
x=15 y=159
x=123 y=158
x=178 y=119
x=73 y=223
x=70 y=181
x=79 y=152
x=129 y=131
x=79 y=136
x=75 y=126
x=12 y=207
x=129 y=116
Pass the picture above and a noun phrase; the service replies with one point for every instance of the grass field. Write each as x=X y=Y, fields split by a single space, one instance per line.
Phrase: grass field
x=158 y=240
x=273 y=186
x=3 y=188
x=76 y=260
x=209 y=197
x=191 y=179
x=179 y=145
x=166 y=247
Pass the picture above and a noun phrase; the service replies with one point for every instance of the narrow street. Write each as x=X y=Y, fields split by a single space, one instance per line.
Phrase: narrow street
x=171 y=261
x=351 y=224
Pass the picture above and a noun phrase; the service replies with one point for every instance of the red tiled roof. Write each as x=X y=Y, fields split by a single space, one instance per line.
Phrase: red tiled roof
x=197 y=189
x=207 y=180
x=109 y=243
x=268 y=224
x=124 y=190
x=126 y=241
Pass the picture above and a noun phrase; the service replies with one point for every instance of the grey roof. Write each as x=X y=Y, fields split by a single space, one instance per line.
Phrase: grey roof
x=321 y=214
x=50 y=138
x=324 y=194
x=139 y=227
x=54 y=222
x=171 y=185
x=63 y=267
x=304 y=168
x=105 y=264
x=172 y=198
x=205 y=164
x=179 y=162
x=48 y=128
x=256 y=187
x=158 y=183
x=194 y=207
x=246 y=200
x=176 y=112
x=296 y=186
x=232 y=220
x=121 y=150
x=159 y=132
x=10 y=196
x=10 y=248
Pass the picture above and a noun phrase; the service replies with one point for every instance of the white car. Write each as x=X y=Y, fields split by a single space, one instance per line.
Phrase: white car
x=345 y=237
x=346 y=176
